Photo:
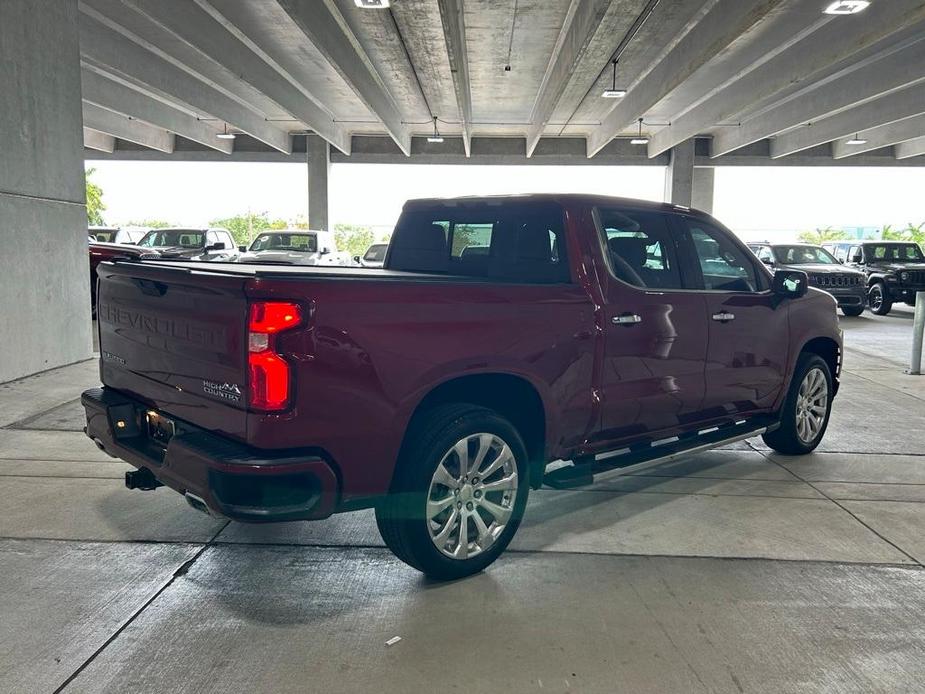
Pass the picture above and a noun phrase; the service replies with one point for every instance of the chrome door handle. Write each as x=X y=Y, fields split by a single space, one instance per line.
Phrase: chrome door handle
x=724 y=317
x=626 y=319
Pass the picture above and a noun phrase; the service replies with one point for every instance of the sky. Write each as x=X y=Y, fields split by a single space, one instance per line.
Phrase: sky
x=772 y=203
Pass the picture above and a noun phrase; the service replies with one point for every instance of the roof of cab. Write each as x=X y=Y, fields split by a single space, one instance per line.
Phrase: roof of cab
x=562 y=198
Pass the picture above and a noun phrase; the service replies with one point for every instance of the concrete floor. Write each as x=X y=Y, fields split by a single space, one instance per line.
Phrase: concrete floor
x=734 y=571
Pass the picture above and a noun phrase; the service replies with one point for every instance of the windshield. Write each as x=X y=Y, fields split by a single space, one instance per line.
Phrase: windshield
x=803 y=255
x=185 y=238
x=305 y=243
x=908 y=252
x=376 y=254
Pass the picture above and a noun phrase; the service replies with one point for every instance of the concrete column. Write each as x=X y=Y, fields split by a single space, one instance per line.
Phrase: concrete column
x=318 y=154
x=702 y=195
x=679 y=174
x=44 y=264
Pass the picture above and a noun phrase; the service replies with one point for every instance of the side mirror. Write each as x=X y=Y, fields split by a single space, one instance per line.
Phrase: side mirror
x=856 y=258
x=242 y=249
x=791 y=284
x=218 y=246
x=325 y=250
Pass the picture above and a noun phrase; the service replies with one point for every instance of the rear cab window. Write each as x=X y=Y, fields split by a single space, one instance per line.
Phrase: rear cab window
x=639 y=247
x=516 y=242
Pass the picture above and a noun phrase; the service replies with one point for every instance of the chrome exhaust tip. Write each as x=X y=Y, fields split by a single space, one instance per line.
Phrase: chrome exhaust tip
x=197 y=503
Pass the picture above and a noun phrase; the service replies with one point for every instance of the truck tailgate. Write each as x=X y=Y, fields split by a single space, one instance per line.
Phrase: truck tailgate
x=176 y=339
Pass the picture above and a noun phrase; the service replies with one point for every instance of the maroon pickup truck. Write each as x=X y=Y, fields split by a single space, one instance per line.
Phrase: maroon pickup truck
x=502 y=335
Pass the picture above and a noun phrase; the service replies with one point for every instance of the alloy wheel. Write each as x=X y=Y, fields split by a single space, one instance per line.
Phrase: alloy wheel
x=876 y=298
x=812 y=405
x=472 y=495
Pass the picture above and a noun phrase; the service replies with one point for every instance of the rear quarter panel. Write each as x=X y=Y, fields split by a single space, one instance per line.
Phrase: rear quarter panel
x=375 y=348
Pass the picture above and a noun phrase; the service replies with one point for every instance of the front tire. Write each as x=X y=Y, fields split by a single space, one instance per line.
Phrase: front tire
x=853 y=311
x=459 y=492
x=805 y=414
x=880 y=302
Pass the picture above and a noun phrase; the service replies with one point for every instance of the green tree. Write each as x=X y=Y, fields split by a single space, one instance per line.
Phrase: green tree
x=891 y=234
x=245 y=227
x=820 y=236
x=916 y=232
x=95 y=205
x=353 y=238
x=151 y=224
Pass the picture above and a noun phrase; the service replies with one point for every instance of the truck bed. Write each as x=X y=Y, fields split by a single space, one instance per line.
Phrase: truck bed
x=305 y=272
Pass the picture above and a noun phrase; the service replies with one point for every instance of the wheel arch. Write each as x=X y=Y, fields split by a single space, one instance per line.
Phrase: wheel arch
x=511 y=396
x=830 y=351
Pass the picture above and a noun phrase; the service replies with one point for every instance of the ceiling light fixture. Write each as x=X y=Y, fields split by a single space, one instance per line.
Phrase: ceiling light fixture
x=225 y=135
x=856 y=140
x=436 y=137
x=613 y=92
x=640 y=139
x=847 y=7
x=372 y=4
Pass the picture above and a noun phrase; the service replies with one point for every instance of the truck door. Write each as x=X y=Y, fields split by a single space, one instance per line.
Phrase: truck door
x=749 y=328
x=654 y=339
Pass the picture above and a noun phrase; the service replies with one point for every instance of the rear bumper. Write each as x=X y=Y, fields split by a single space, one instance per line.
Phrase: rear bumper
x=231 y=479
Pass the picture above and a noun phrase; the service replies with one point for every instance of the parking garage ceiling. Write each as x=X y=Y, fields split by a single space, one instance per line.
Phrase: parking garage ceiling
x=768 y=80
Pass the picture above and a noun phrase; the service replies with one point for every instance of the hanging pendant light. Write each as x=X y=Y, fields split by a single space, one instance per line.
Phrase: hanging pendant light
x=856 y=140
x=225 y=135
x=613 y=92
x=640 y=139
x=436 y=137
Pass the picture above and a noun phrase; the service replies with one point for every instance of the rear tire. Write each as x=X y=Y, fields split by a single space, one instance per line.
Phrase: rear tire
x=880 y=302
x=447 y=519
x=853 y=311
x=806 y=411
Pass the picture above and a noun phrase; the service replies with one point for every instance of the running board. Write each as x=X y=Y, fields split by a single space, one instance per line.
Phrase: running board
x=634 y=458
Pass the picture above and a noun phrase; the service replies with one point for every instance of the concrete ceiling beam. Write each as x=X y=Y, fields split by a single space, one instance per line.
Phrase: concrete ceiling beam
x=113 y=95
x=454 y=32
x=323 y=25
x=910 y=149
x=201 y=31
x=824 y=41
x=581 y=23
x=101 y=142
x=104 y=48
x=897 y=68
x=718 y=26
x=125 y=128
x=888 y=109
x=882 y=136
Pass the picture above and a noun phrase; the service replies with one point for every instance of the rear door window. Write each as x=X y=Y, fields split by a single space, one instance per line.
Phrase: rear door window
x=506 y=242
x=640 y=248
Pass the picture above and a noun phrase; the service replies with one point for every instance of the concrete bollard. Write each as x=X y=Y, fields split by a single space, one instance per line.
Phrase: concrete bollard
x=918 y=329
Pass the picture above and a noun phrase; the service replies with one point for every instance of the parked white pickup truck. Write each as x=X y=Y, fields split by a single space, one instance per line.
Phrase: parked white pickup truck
x=296 y=247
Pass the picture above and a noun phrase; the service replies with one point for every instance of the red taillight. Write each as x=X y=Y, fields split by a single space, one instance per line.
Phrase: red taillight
x=269 y=377
x=273 y=316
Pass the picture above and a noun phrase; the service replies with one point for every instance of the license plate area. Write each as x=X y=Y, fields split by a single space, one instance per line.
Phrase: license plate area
x=160 y=428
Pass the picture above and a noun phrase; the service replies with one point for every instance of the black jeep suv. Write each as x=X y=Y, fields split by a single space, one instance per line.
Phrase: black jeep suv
x=895 y=269
x=847 y=286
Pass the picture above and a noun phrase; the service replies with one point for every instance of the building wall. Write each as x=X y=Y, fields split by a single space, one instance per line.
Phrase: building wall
x=44 y=274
